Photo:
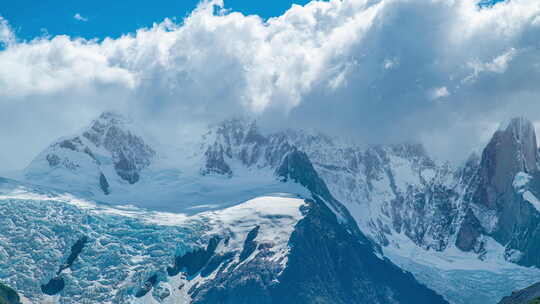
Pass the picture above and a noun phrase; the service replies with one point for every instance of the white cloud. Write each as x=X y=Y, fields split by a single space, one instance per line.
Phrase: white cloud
x=438 y=93
x=329 y=64
x=498 y=65
x=78 y=16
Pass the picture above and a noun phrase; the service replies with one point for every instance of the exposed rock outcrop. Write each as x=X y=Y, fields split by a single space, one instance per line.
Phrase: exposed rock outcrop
x=498 y=206
x=91 y=161
x=529 y=295
x=8 y=295
x=512 y=149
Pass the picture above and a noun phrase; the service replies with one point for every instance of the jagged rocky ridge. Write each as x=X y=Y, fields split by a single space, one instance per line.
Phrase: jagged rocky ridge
x=388 y=190
x=106 y=151
x=503 y=202
x=400 y=190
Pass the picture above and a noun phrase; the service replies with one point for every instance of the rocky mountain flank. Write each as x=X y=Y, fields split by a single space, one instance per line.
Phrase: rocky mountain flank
x=504 y=189
x=329 y=261
x=399 y=190
x=107 y=151
x=529 y=295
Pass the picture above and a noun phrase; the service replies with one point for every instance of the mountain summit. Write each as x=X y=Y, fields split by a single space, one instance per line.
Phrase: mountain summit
x=512 y=149
x=105 y=153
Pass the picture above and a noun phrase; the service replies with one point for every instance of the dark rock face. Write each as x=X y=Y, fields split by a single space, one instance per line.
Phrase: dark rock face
x=297 y=167
x=322 y=249
x=147 y=287
x=76 y=249
x=218 y=260
x=104 y=184
x=249 y=244
x=8 y=295
x=241 y=140
x=469 y=232
x=215 y=161
x=53 y=160
x=57 y=284
x=194 y=261
x=529 y=295
x=54 y=286
x=514 y=221
x=510 y=151
x=74 y=144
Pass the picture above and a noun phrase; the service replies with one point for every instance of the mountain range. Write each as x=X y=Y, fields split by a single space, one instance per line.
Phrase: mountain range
x=242 y=216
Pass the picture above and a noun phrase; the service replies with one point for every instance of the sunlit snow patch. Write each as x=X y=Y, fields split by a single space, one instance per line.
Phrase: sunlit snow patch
x=521 y=181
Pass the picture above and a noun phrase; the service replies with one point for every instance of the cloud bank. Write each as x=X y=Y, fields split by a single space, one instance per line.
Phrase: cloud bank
x=442 y=72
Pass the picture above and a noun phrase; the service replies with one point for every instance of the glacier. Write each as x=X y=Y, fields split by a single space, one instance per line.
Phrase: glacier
x=126 y=246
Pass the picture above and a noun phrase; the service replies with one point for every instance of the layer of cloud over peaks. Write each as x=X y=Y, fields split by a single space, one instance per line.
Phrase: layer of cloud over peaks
x=443 y=72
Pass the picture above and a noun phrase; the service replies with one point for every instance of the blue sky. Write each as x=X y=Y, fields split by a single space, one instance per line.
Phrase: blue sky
x=109 y=18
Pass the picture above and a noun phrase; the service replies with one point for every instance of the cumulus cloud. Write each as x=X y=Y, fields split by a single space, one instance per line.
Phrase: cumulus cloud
x=78 y=16
x=368 y=69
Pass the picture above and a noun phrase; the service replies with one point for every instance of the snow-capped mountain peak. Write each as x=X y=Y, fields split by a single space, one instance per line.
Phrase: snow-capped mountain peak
x=105 y=153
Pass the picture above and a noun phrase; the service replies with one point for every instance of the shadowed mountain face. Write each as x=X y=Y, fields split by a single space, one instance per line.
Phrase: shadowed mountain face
x=529 y=295
x=506 y=186
x=130 y=154
x=8 y=295
x=511 y=150
x=107 y=151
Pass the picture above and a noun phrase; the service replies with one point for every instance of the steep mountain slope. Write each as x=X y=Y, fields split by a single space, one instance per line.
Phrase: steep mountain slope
x=529 y=295
x=504 y=204
x=107 y=152
x=269 y=249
